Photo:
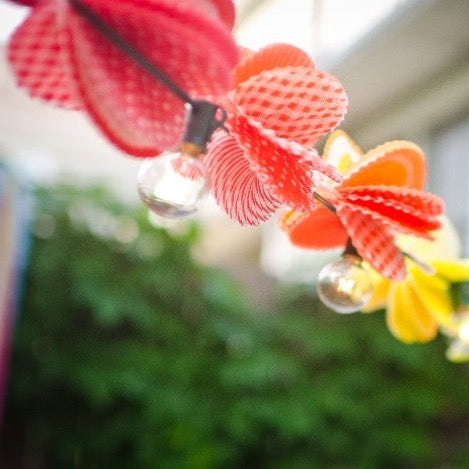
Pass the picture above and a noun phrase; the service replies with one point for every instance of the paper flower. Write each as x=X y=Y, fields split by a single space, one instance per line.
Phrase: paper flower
x=419 y=306
x=280 y=106
x=58 y=56
x=380 y=195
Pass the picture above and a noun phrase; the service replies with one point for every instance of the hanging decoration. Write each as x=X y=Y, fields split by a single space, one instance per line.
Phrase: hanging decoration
x=164 y=80
x=380 y=194
x=279 y=107
x=427 y=302
x=80 y=67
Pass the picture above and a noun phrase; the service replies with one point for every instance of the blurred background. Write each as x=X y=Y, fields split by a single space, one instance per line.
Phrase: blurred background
x=203 y=345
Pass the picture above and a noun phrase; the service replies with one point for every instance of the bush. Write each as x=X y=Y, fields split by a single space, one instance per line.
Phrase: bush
x=129 y=355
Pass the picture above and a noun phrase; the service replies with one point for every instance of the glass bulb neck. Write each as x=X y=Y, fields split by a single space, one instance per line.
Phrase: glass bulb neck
x=350 y=251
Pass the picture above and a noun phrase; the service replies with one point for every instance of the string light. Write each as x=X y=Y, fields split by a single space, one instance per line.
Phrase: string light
x=172 y=184
x=344 y=285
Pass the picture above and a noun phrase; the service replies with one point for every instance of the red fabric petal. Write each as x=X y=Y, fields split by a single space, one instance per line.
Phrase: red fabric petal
x=225 y=10
x=373 y=241
x=270 y=57
x=282 y=165
x=406 y=210
x=316 y=229
x=28 y=3
x=235 y=186
x=298 y=103
x=39 y=53
x=135 y=111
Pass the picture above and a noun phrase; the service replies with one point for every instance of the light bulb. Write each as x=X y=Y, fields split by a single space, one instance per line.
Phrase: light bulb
x=344 y=286
x=172 y=185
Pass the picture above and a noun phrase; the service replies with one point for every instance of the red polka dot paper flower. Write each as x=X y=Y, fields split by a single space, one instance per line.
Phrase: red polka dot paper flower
x=280 y=106
x=380 y=195
x=57 y=55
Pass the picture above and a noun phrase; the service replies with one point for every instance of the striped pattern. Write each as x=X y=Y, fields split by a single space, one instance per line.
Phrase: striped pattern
x=373 y=241
x=406 y=210
x=284 y=166
x=234 y=185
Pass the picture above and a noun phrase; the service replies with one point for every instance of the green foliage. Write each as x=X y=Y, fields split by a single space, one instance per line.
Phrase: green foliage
x=130 y=355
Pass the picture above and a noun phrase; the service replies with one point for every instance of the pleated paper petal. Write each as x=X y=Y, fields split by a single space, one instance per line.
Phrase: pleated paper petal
x=381 y=290
x=282 y=165
x=235 y=186
x=373 y=241
x=189 y=40
x=342 y=152
x=28 y=3
x=270 y=57
x=298 y=103
x=225 y=9
x=318 y=228
x=452 y=270
x=397 y=163
x=407 y=210
x=407 y=317
x=434 y=293
x=39 y=54
x=135 y=111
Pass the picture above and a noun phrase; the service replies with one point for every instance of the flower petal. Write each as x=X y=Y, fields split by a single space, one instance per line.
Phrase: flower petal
x=407 y=317
x=444 y=245
x=434 y=293
x=28 y=3
x=282 y=165
x=373 y=241
x=225 y=10
x=381 y=288
x=406 y=210
x=297 y=103
x=397 y=163
x=342 y=152
x=452 y=270
x=132 y=108
x=318 y=228
x=234 y=184
x=39 y=53
x=270 y=57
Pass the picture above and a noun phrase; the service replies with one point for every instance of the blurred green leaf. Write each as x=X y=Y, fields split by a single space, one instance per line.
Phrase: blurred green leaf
x=129 y=354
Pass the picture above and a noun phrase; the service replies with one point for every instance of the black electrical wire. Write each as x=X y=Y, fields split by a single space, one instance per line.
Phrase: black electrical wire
x=202 y=120
x=128 y=49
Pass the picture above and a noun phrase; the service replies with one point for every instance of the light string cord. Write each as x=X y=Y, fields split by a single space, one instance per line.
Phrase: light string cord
x=203 y=119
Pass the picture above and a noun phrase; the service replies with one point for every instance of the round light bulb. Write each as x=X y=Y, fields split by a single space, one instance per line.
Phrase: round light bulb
x=344 y=286
x=172 y=185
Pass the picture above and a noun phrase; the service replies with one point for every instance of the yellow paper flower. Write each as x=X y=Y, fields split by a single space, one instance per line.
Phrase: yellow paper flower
x=420 y=305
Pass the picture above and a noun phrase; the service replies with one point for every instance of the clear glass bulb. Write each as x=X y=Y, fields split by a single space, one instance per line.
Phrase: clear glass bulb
x=344 y=286
x=172 y=185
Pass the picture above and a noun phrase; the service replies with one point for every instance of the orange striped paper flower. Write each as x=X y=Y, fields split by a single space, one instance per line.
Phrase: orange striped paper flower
x=381 y=194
